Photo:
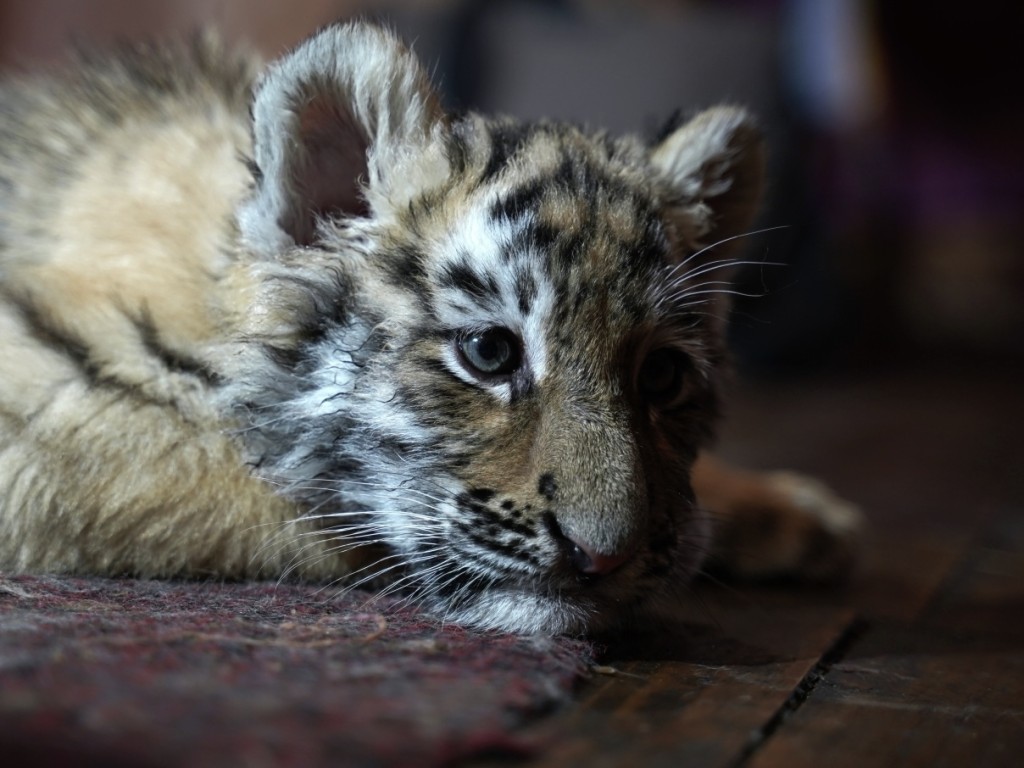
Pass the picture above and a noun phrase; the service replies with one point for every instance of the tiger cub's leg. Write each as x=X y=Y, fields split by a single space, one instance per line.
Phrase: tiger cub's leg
x=776 y=524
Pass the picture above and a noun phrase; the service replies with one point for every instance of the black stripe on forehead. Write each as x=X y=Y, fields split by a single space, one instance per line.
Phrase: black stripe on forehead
x=406 y=267
x=564 y=246
x=577 y=175
x=520 y=201
x=653 y=246
x=583 y=175
x=526 y=289
x=507 y=140
x=460 y=275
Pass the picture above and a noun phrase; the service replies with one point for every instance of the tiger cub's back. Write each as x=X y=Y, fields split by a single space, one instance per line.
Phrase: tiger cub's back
x=117 y=283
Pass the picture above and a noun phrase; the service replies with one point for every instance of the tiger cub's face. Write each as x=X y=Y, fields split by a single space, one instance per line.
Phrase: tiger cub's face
x=487 y=349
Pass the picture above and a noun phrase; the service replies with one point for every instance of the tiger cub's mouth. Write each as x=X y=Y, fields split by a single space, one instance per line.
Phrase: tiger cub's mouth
x=545 y=581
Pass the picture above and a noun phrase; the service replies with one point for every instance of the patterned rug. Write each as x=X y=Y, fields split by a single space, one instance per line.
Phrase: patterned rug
x=152 y=673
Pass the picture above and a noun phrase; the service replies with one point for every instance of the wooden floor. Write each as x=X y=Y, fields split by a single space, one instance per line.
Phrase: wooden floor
x=919 y=662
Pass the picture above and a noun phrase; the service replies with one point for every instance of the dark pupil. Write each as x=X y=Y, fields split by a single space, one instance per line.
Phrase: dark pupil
x=490 y=352
x=659 y=376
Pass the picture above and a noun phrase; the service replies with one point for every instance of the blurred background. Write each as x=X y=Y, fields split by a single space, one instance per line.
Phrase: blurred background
x=895 y=130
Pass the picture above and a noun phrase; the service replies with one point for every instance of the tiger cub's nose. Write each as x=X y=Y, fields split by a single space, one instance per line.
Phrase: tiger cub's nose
x=584 y=558
x=590 y=562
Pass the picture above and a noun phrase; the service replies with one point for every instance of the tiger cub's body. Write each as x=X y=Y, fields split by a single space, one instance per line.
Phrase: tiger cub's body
x=305 y=323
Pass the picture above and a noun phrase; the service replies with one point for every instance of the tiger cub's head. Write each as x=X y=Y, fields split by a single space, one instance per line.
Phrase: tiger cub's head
x=489 y=348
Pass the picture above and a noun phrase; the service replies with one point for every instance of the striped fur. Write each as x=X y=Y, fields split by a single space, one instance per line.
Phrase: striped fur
x=235 y=310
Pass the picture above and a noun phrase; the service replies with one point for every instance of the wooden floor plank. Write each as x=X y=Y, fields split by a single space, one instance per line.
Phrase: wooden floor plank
x=987 y=597
x=903 y=571
x=698 y=692
x=908 y=699
x=947 y=689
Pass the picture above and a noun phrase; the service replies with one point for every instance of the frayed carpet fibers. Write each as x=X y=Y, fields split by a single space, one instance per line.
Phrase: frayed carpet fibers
x=155 y=673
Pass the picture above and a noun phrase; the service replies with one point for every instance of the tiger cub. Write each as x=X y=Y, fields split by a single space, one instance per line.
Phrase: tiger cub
x=302 y=322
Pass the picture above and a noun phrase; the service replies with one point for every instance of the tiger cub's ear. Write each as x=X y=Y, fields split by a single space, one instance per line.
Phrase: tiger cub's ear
x=715 y=162
x=341 y=127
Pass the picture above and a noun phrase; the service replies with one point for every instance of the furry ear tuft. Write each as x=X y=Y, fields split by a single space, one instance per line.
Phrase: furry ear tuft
x=332 y=121
x=716 y=164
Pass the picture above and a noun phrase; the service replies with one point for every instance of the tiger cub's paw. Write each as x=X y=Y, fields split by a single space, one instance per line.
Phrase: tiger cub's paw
x=787 y=525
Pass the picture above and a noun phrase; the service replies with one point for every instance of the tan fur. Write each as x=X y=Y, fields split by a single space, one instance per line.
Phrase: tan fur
x=149 y=235
x=152 y=485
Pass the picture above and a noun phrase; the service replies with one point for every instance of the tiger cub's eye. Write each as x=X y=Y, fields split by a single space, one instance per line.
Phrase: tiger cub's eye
x=492 y=353
x=662 y=377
